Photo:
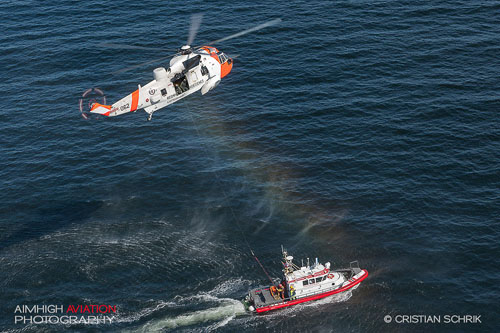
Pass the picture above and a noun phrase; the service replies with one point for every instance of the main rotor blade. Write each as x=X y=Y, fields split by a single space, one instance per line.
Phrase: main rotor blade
x=193 y=28
x=195 y=24
x=131 y=47
x=140 y=65
x=244 y=32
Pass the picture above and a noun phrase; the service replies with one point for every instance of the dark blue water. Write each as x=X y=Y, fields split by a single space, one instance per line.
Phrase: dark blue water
x=363 y=130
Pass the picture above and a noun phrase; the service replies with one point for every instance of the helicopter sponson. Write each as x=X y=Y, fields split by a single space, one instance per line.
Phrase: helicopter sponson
x=189 y=72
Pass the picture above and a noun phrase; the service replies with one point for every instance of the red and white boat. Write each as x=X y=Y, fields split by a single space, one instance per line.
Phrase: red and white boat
x=304 y=284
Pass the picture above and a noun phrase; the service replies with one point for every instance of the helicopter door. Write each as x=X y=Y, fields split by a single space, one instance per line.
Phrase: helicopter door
x=181 y=84
x=192 y=62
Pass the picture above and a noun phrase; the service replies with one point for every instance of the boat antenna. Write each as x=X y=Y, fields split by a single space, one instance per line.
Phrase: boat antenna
x=231 y=208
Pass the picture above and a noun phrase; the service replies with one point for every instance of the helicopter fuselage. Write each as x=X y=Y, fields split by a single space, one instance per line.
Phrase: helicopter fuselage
x=201 y=70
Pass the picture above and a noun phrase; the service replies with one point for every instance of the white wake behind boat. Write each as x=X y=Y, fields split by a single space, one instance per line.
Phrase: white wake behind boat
x=304 y=284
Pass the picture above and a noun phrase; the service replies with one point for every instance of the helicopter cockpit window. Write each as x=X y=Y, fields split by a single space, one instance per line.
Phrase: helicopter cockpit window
x=222 y=57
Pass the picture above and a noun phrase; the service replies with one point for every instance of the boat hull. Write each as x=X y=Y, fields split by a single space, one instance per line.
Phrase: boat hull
x=352 y=284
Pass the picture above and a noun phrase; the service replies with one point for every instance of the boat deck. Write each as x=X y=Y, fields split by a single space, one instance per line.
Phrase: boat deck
x=262 y=297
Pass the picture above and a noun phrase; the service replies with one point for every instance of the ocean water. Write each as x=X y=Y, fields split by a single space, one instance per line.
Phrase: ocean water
x=353 y=130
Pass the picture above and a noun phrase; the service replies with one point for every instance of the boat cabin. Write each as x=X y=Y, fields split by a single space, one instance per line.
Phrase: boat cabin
x=310 y=279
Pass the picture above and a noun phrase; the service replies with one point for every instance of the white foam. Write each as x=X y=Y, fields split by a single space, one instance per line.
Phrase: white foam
x=219 y=315
x=230 y=286
x=222 y=314
x=142 y=313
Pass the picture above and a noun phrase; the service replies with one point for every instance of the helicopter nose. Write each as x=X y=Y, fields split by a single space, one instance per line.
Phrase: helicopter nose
x=226 y=68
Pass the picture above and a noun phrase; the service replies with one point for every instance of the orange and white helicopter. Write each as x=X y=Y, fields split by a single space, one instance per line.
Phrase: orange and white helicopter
x=191 y=70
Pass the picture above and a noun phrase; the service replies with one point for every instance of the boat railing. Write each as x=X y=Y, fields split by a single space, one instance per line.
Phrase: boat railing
x=319 y=291
x=353 y=270
x=354 y=264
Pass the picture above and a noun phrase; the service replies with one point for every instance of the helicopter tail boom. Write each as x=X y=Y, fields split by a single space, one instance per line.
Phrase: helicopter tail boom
x=127 y=104
x=101 y=109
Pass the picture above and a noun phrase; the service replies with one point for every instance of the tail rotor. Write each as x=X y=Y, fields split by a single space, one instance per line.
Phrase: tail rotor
x=90 y=98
